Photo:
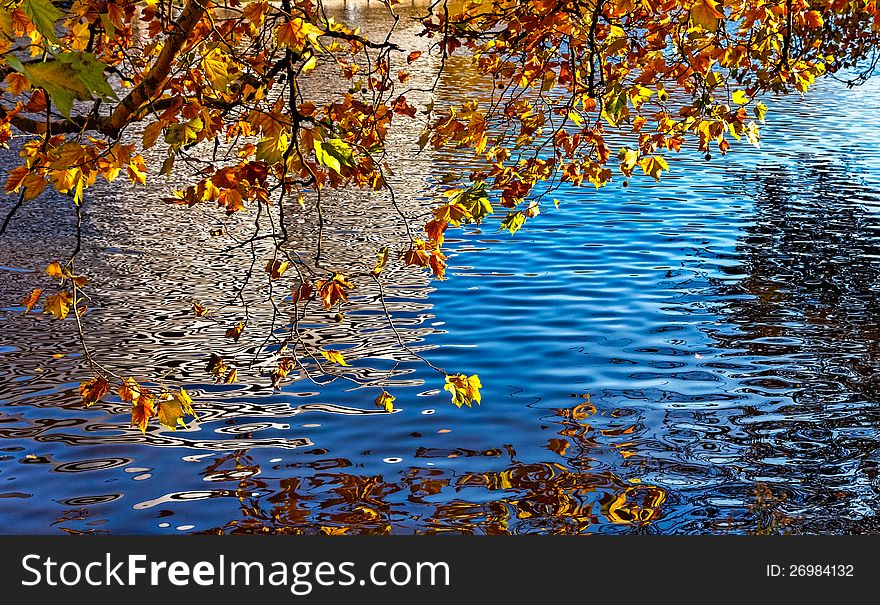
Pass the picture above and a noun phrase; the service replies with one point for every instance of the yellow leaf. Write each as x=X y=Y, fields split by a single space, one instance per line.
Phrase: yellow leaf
x=296 y=32
x=215 y=64
x=385 y=401
x=235 y=332
x=334 y=357
x=129 y=390
x=186 y=403
x=739 y=97
x=381 y=261
x=58 y=304
x=170 y=413
x=465 y=389
x=34 y=184
x=654 y=165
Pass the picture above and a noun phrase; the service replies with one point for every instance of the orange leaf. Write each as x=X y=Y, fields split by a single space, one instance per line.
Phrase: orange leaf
x=54 y=270
x=334 y=290
x=93 y=390
x=31 y=299
x=144 y=408
x=129 y=390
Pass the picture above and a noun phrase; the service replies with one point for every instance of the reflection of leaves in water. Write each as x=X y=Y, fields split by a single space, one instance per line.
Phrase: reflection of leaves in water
x=563 y=496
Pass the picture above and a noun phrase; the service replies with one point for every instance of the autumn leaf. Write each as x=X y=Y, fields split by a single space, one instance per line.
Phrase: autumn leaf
x=465 y=389
x=437 y=263
x=513 y=221
x=129 y=390
x=170 y=413
x=34 y=184
x=216 y=66
x=334 y=153
x=334 y=357
x=653 y=166
x=276 y=268
x=303 y=293
x=216 y=366
x=235 y=331
x=199 y=310
x=381 y=260
x=43 y=15
x=231 y=377
x=436 y=229
x=335 y=290
x=385 y=401
x=54 y=270
x=296 y=33
x=411 y=57
x=93 y=390
x=705 y=14
x=143 y=409
x=58 y=304
x=31 y=299
x=186 y=403
x=281 y=371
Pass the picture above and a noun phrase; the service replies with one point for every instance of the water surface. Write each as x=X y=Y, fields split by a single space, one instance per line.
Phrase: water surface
x=695 y=356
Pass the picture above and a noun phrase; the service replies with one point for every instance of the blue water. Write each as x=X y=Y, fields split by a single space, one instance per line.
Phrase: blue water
x=694 y=356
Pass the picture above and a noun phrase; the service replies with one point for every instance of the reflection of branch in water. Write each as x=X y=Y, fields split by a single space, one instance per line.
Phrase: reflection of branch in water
x=799 y=335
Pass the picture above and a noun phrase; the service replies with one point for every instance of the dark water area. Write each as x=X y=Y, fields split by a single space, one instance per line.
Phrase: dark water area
x=700 y=355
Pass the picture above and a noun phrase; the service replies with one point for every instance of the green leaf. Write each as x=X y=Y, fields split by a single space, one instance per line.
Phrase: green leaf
x=43 y=15
x=272 y=149
x=67 y=76
x=180 y=135
x=334 y=154
x=475 y=201
x=513 y=222
x=760 y=111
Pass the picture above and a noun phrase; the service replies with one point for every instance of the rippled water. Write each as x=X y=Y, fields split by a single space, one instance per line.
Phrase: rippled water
x=698 y=356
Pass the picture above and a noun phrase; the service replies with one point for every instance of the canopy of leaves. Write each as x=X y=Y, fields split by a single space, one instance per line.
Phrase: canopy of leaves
x=585 y=91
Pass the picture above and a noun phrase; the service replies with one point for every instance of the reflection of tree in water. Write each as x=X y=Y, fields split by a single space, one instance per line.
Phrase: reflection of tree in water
x=802 y=332
x=566 y=497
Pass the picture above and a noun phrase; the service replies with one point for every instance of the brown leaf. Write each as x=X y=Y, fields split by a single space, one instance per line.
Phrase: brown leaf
x=235 y=332
x=93 y=390
x=276 y=268
x=304 y=292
